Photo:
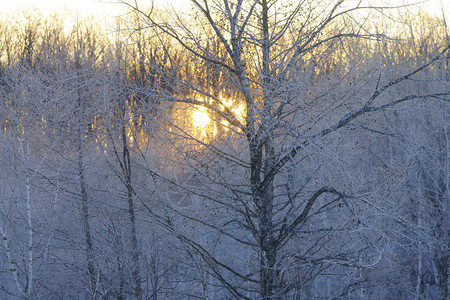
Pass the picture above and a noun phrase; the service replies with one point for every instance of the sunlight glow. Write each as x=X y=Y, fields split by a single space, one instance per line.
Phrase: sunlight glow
x=84 y=8
x=200 y=117
x=202 y=123
x=206 y=126
x=200 y=120
x=78 y=7
x=102 y=8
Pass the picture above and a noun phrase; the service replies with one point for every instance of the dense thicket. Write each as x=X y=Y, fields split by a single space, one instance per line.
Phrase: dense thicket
x=153 y=161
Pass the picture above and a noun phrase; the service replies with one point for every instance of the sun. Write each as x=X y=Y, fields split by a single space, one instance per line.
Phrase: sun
x=200 y=117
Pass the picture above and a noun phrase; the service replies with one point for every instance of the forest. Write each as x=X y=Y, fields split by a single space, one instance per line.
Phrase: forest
x=241 y=149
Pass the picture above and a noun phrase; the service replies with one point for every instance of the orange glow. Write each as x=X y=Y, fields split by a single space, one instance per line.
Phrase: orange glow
x=206 y=125
x=202 y=123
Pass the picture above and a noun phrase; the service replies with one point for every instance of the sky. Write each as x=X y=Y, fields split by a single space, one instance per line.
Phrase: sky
x=83 y=7
x=109 y=8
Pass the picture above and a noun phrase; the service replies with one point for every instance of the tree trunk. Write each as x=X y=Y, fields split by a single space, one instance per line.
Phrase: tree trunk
x=26 y=162
x=136 y=272
x=268 y=244
x=419 y=278
x=83 y=191
x=268 y=273
x=85 y=218
x=136 y=268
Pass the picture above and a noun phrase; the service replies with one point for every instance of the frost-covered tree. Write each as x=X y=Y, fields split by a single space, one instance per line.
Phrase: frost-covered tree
x=286 y=86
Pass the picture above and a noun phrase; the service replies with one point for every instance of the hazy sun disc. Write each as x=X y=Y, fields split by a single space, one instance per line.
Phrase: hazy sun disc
x=200 y=117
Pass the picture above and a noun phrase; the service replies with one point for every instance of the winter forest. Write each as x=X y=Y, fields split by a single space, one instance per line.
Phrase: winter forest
x=240 y=149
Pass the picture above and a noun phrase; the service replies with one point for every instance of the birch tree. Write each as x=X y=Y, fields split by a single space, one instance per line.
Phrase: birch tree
x=24 y=130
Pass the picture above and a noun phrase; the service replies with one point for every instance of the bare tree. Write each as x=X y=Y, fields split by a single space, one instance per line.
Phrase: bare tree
x=271 y=53
x=24 y=118
x=122 y=118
